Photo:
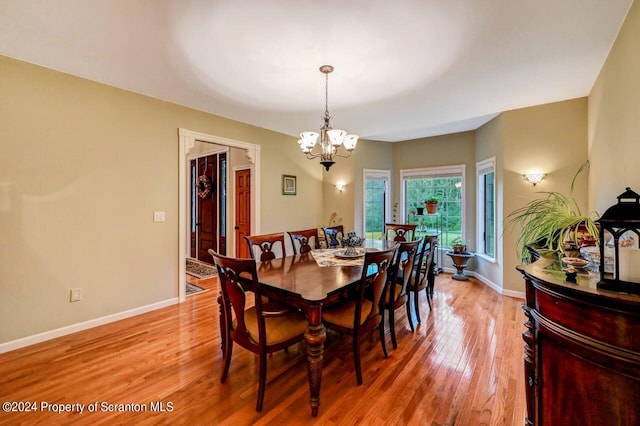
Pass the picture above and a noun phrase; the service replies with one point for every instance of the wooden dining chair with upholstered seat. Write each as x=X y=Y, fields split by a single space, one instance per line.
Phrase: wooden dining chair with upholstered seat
x=332 y=235
x=266 y=247
x=422 y=275
x=304 y=241
x=395 y=293
x=358 y=315
x=399 y=232
x=259 y=331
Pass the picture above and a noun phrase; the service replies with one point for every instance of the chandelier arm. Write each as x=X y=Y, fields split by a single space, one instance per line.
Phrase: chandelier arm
x=343 y=155
x=311 y=156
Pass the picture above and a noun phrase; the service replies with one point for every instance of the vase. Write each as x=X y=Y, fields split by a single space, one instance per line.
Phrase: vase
x=350 y=251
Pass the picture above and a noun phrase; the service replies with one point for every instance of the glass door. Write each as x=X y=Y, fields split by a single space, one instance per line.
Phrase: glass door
x=376 y=202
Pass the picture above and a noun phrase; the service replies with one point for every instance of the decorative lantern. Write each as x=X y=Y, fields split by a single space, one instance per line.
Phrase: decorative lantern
x=620 y=227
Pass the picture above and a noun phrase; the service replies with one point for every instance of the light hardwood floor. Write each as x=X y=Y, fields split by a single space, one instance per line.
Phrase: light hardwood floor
x=462 y=366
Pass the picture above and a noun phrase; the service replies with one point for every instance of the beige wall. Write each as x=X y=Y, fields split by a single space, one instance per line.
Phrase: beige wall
x=490 y=143
x=551 y=138
x=83 y=167
x=338 y=205
x=614 y=119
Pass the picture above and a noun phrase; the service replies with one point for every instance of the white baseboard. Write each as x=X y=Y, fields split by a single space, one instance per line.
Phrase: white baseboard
x=495 y=287
x=512 y=293
x=73 y=328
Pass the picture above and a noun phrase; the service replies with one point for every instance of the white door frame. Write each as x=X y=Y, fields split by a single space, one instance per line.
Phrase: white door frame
x=187 y=140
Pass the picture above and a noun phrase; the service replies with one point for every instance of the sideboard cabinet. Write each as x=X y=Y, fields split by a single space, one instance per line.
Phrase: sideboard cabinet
x=582 y=350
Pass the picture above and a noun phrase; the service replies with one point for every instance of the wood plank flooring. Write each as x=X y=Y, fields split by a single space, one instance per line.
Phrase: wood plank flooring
x=462 y=366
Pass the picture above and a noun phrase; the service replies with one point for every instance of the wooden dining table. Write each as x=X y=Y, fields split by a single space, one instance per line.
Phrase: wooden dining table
x=300 y=282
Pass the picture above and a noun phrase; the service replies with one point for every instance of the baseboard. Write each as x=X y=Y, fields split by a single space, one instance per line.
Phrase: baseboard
x=512 y=293
x=495 y=287
x=73 y=328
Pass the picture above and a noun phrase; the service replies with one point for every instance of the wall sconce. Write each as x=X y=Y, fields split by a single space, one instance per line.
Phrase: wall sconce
x=534 y=178
x=340 y=186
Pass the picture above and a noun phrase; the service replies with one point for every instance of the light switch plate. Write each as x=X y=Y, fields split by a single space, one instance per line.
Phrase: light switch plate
x=75 y=295
x=158 y=216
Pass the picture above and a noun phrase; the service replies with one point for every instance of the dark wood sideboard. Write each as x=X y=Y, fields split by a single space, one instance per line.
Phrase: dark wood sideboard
x=582 y=350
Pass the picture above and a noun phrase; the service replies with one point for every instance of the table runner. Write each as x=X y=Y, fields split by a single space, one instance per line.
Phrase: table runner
x=326 y=257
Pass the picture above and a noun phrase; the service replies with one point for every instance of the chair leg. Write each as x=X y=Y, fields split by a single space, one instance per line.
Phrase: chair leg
x=356 y=358
x=416 y=305
x=409 y=313
x=382 y=339
x=392 y=328
x=262 y=380
x=227 y=360
x=409 y=316
x=431 y=285
x=224 y=341
x=428 y=298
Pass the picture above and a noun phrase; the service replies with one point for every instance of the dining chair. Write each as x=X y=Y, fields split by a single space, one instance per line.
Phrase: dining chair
x=261 y=247
x=358 y=315
x=399 y=232
x=259 y=331
x=395 y=292
x=304 y=241
x=422 y=275
x=331 y=235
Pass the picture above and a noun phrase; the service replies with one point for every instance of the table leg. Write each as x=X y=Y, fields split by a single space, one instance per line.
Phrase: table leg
x=315 y=338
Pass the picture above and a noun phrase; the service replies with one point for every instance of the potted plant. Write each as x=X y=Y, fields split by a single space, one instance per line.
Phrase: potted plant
x=457 y=245
x=432 y=204
x=553 y=223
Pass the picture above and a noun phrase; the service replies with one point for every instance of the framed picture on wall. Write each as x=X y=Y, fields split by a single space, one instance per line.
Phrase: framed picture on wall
x=288 y=185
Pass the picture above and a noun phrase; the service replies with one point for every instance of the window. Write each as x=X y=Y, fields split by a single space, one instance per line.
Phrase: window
x=486 y=207
x=447 y=185
x=376 y=202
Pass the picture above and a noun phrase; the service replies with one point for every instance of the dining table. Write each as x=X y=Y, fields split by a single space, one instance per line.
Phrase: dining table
x=308 y=282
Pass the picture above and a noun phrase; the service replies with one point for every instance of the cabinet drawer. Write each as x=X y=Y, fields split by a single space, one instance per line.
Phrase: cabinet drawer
x=598 y=322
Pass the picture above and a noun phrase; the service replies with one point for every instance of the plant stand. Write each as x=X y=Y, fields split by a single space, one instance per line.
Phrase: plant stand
x=460 y=262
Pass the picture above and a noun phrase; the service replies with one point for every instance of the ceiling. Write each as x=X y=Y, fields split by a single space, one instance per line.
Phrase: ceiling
x=403 y=70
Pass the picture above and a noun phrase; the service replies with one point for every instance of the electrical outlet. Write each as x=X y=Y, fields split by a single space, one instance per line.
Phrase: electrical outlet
x=75 y=295
x=158 y=216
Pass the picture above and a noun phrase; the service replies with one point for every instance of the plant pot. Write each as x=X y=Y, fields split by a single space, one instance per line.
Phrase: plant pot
x=460 y=262
x=459 y=248
x=420 y=211
x=431 y=207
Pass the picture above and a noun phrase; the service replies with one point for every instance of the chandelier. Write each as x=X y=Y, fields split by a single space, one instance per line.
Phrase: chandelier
x=330 y=139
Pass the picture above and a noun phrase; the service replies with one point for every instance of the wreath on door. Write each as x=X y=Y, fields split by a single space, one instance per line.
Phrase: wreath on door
x=204 y=186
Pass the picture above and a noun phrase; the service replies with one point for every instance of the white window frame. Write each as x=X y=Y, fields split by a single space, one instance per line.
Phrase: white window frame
x=435 y=171
x=483 y=167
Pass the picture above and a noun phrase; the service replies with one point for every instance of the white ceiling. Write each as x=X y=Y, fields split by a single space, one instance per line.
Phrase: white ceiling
x=403 y=69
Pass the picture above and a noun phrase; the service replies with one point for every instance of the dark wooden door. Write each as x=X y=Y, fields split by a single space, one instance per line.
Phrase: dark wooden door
x=243 y=212
x=207 y=207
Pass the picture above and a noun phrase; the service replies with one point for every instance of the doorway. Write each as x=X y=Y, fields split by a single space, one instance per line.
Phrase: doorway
x=208 y=205
x=250 y=155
